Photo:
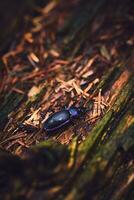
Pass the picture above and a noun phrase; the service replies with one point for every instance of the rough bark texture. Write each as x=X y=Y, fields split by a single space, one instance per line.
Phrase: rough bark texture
x=12 y=16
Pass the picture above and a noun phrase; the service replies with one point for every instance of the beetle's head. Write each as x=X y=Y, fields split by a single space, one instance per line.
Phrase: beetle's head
x=76 y=112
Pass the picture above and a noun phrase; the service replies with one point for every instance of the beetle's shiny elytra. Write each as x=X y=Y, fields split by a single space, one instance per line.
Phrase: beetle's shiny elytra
x=61 y=119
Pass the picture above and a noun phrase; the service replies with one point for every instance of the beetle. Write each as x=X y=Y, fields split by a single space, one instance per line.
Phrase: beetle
x=61 y=119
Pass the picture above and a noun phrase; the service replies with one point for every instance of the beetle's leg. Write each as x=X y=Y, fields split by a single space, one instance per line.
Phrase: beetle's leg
x=65 y=107
x=27 y=127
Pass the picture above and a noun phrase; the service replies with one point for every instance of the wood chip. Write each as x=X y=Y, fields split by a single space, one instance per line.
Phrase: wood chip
x=54 y=53
x=34 y=57
x=18 y=90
